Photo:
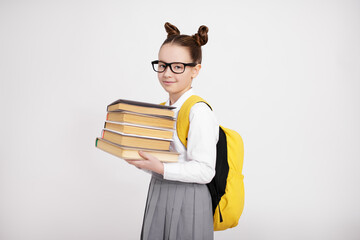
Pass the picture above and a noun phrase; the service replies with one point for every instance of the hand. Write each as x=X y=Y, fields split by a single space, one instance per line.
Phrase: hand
x=149 y=162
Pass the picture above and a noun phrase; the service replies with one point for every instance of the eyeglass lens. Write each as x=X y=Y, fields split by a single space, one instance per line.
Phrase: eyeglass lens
x=175 y=67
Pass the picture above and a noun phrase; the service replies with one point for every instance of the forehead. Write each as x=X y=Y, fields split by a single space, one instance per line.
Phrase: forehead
x=174 y=53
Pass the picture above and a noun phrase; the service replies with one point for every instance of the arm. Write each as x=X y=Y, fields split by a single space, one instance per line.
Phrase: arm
x=201 y=148
x=201 y=152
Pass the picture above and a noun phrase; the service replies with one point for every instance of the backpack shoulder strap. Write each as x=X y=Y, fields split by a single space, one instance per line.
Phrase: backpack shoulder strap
x=182 y=122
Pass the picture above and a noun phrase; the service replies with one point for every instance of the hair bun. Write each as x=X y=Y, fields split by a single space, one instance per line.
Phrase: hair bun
x=201 y=37
x=171 y=29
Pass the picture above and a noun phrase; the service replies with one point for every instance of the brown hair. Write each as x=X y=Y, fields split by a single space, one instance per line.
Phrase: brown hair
x=193 y=43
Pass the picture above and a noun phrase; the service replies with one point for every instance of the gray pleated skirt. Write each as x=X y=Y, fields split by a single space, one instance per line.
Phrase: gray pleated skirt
x=177 y=211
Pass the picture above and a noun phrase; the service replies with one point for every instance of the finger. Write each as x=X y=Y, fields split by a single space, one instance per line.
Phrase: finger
x=131 y=160
x=137 y=164
x=145 y=155
x=134 y=162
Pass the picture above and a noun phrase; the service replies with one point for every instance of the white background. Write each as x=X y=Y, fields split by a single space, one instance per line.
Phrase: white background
x=284 y=74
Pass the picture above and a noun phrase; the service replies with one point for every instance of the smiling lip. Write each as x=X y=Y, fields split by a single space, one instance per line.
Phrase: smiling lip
x=168 y=82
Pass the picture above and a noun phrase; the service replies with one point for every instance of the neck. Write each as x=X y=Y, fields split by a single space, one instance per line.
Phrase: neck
x=175 y=96
x=173 y=99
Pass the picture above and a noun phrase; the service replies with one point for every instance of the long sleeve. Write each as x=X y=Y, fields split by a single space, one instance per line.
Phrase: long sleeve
x=200 y=156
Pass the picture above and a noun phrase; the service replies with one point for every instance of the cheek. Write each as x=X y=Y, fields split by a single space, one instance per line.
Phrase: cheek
x=180 y=79
x=187 y=77
x=184 y=81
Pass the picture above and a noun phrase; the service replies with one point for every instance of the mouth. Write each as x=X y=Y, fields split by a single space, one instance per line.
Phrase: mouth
x=168 y=82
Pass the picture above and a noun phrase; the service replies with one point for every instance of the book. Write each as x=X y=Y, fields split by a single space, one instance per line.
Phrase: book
x=141 y=119
x=141 y=107
x=134 y=129
x=136 y=141
x=132 y=153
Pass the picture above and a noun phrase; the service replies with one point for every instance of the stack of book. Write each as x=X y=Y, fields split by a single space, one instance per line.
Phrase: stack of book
x=132 y=126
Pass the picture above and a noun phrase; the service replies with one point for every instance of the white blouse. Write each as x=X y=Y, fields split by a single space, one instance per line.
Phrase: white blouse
x=196 y=163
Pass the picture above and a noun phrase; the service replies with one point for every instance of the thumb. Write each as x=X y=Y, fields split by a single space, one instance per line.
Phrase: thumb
x=145 y=155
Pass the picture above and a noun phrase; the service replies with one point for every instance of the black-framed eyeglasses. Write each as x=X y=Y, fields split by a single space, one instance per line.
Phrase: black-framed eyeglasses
x=175 y=67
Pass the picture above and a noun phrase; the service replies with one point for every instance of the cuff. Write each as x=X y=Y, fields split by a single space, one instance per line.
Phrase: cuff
x=171 y=171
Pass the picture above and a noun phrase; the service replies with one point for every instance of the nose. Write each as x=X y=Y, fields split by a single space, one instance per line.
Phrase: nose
x=167 y=73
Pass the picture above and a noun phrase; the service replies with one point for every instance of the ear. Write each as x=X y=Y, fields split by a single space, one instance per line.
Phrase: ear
x=195 y=71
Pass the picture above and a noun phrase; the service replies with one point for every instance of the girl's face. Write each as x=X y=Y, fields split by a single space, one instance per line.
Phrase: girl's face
x=176 y=84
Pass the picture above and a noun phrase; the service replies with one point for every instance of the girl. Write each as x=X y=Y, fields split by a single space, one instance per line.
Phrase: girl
x=178 y=205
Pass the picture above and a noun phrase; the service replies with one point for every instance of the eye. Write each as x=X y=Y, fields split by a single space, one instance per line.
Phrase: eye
x=178 y=67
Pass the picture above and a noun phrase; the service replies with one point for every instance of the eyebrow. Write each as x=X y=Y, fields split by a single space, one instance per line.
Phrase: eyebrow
x=175 y=61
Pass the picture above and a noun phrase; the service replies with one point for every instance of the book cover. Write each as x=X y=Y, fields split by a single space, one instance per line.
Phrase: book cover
x=141 y=107
x=141 y=119
x=139 y=130
x=132 y=153
x=136 y=141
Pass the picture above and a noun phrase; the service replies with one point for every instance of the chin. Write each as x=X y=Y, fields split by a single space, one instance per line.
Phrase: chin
x=169 y=89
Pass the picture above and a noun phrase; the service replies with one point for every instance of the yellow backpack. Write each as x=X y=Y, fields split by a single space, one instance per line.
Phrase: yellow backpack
x=227 y=186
